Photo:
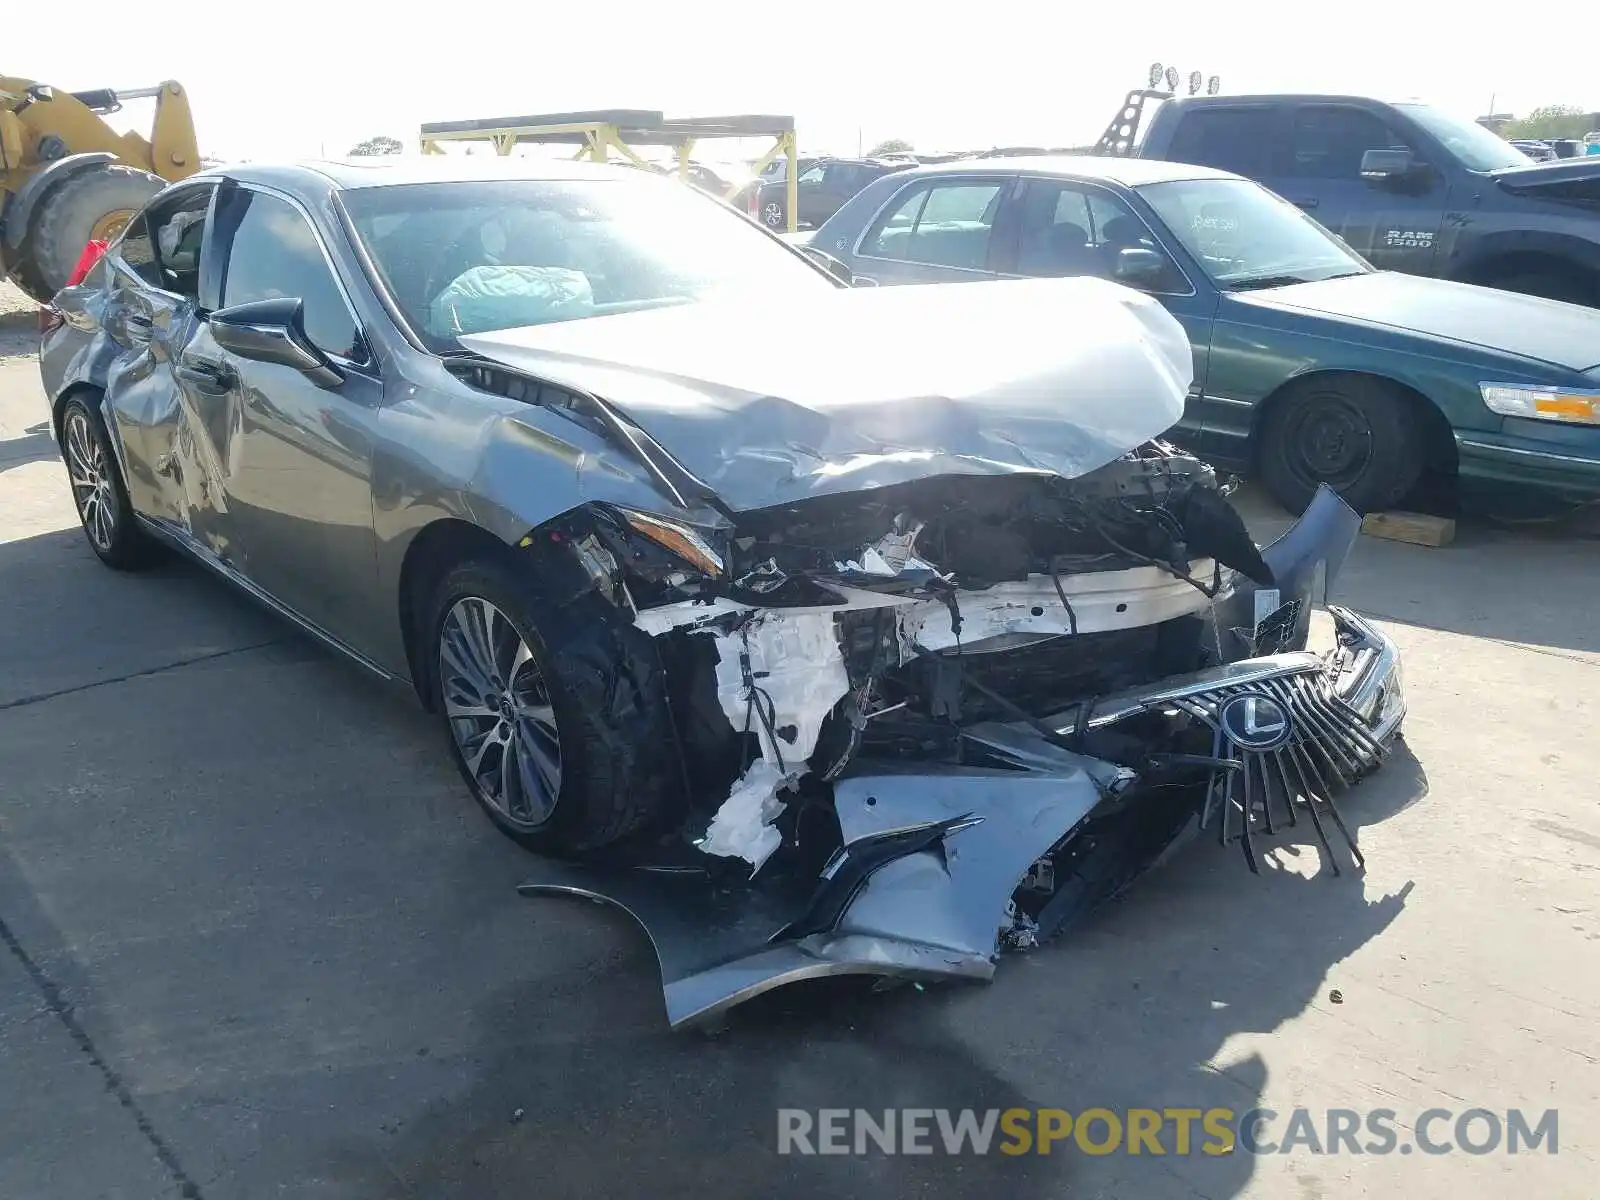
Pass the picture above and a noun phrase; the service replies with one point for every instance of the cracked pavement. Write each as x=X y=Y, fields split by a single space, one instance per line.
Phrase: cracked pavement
x=254 y=940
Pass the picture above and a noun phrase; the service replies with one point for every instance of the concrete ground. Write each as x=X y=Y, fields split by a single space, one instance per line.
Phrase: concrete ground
x=257 y=943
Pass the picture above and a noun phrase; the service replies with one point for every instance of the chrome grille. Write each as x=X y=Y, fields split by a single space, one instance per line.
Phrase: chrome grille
x=1329 y=748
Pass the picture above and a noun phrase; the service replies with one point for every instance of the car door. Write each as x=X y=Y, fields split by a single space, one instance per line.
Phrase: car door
x=937 y=229
x=300 y=484
x=175 y=442
x=1391 y=222
x=1066 y=227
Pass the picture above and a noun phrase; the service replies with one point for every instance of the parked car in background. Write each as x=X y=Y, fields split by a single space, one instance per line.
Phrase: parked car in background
x=1410 y=187
x=776 y=171
x=1311 y=366
x=821 y=188
x=1538 y=151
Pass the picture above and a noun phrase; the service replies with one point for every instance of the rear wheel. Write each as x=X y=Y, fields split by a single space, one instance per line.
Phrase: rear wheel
x=556 y=715
x=1359 y=436
x=98 y=491
x=96 y=202
x=772 y=215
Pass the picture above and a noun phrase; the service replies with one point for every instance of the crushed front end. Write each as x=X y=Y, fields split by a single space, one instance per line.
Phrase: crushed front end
x=923 y=723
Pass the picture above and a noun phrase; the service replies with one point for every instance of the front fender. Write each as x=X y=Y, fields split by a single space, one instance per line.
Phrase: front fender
x=19 y=213
x=1473 y=259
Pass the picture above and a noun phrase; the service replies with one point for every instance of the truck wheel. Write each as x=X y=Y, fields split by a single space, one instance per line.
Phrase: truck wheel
x=95 y=202
x=1358 y=435
x=772 y=215
x=556 y=715
x=1570 y=286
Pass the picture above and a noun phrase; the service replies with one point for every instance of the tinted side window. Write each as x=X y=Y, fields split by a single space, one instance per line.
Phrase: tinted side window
x=138 y=250
x=842 y=175
x=274 y=254
x=1068 y=229
x=1230 y=139
x=1328 y=141
x=945 y=224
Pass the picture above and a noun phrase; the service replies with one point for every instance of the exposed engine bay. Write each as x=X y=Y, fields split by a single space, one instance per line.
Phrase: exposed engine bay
x=887 y=623
x=1055 y=678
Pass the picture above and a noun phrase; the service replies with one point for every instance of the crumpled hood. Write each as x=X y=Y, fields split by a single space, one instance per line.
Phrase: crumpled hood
x=1563 y=335
x=771 y=399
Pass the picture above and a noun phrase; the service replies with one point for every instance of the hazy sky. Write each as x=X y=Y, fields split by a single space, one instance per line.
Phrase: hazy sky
x=294 y=79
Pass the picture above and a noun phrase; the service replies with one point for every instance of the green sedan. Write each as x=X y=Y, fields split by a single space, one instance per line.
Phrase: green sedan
x=1310 y=365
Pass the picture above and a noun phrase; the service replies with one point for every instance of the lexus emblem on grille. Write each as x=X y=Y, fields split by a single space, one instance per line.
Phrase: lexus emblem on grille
x=1253 y=721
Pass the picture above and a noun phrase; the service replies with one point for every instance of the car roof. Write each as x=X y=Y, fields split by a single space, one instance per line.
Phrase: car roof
x=1286 y=98
x=352 y=174
x=1128 y=172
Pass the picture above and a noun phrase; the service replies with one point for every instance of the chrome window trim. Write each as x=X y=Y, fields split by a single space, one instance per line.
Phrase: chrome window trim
x=114 y=253
x=369 y=268
x=931 y=181
x=926 y=182
x=328 y=261
x=1166 y=248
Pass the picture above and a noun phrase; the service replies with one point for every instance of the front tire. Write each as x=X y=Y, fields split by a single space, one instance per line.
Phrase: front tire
x=1360 y=436
x=97 y=489
x=555 y=715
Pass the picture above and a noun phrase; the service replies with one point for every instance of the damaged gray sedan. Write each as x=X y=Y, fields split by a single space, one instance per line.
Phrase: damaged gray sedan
x=824 y=630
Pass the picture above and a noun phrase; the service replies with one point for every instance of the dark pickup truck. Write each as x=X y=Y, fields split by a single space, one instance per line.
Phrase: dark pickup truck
x=1411 y=188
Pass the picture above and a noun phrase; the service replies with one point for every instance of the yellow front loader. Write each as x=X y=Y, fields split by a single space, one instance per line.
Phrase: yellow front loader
x=67 y=177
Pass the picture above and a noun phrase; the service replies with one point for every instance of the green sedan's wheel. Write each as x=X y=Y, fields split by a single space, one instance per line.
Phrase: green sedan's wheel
x=1360 y=436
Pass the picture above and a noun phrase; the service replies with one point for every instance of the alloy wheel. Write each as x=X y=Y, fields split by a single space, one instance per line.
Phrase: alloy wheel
x=89 y=472
x=499 y=711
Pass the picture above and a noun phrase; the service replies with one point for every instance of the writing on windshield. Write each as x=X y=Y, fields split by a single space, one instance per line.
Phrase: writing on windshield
x=1242 y=234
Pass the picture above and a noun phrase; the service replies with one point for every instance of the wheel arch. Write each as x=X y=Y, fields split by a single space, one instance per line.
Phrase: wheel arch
x=1504 y=255
x=436 y=548
x=1439 y=440
x=72 y=391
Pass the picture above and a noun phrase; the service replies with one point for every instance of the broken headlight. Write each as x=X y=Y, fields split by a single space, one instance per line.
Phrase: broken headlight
x=692 y=545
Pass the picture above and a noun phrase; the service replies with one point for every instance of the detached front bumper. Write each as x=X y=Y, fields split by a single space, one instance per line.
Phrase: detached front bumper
x=938 y=870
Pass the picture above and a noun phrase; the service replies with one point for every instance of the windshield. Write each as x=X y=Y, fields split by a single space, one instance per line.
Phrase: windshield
x=1476 y=147
x=468 y=257
x=1244 y=236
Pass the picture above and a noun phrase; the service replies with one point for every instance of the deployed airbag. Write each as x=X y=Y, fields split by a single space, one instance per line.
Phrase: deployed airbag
x=497 y=297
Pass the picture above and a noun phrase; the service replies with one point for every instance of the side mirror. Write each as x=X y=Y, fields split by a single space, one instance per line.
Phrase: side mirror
x=1138 y=266
x=1386 y=164
x=272 y=331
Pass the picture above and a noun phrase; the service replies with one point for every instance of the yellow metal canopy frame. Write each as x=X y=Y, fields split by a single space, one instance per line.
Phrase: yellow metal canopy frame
x=600 y=134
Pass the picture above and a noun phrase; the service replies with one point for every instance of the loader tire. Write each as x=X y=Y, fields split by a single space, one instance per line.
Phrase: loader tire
x=82 y=206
